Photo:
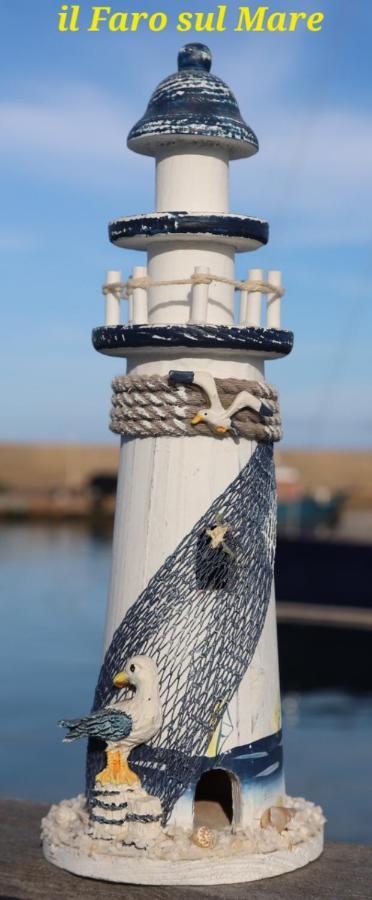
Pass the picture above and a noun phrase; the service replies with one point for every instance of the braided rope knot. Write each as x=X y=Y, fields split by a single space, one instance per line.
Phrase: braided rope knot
x=154 y=406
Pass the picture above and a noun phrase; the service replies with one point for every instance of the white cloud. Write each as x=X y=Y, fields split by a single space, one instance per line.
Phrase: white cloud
x=72 y=122
x=75 y=133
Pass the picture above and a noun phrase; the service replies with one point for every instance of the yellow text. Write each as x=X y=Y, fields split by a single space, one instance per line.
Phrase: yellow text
x=124 y=21
x=264 y=20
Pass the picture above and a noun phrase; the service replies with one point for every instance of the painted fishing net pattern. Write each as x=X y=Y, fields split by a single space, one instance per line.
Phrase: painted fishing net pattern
x=200 y=619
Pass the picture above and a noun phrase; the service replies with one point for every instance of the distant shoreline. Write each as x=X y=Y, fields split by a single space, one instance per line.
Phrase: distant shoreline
x=76 y=483
x=31 y=466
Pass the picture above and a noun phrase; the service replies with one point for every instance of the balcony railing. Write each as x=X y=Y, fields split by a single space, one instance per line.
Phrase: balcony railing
x=254 y=293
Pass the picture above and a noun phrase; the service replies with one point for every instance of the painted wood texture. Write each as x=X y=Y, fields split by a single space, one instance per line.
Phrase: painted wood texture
x=266 y=341
x=243 y=233
x=211 y=176
x=193 y=102
x=166 y=485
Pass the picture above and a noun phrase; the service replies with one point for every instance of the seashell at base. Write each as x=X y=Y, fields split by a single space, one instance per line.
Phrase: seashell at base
x=276 y=817
x=203 y=837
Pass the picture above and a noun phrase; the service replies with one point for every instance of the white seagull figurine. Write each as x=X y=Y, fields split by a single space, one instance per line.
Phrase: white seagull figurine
x=123 y=724
x=216 y=416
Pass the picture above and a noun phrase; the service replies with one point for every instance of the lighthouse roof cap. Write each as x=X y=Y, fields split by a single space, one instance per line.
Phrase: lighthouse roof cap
x=193 y=105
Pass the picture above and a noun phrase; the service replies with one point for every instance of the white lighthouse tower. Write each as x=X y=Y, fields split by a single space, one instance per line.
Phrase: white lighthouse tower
x=194 y=539
x=193 y=128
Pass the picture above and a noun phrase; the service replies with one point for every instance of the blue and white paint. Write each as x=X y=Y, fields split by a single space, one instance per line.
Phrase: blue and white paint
x=257 y=776
x=193 y=103
x=243 y=233
x=120 y=340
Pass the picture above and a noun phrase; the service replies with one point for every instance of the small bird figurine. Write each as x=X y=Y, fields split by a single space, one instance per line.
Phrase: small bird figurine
x=216 y=416
x=125 y=723
x=217 y=536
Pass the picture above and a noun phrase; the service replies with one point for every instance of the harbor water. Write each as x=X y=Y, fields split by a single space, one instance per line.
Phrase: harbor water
x=53 y=587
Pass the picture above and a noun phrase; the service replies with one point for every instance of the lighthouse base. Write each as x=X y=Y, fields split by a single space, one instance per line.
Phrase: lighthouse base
x=174 y=859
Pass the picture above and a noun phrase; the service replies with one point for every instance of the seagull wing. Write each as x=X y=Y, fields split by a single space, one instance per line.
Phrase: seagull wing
x=107 y=724
x=246 y=399
x=208 y=385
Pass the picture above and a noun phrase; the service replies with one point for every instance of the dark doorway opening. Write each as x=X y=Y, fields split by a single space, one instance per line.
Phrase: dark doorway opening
x=215 y=567
x=216 y=801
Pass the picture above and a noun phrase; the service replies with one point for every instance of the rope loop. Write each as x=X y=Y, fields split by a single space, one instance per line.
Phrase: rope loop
x=155 y=406
x=124 y=289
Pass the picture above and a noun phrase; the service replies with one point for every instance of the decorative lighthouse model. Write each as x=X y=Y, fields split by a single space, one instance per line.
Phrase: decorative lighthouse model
x=184 y=767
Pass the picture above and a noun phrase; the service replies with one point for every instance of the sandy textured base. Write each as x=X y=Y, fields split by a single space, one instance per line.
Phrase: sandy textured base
x=196 y=871
x=174 y=860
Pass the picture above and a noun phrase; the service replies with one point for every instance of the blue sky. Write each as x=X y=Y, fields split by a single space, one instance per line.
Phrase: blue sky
x=67 y=103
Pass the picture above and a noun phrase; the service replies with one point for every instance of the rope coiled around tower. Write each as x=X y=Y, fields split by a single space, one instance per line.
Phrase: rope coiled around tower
x=151 y=406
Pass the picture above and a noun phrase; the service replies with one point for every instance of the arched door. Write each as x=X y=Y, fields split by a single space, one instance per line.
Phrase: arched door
x=217 y=800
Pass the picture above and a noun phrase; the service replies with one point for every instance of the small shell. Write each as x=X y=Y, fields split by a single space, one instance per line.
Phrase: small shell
x=276 y=817
x=203 y=837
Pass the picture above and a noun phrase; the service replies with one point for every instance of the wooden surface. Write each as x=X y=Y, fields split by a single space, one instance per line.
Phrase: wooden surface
x=318 y=614
x=344 y=871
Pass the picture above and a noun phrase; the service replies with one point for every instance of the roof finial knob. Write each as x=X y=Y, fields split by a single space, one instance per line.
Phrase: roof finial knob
x=195 y=56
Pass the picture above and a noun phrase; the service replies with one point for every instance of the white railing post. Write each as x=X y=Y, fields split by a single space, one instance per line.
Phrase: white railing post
x=273 y=302
x=253 y=308
x=199 y=298
x=130 y=302
x=112 y=300
x=139 y=298
x=243 y=307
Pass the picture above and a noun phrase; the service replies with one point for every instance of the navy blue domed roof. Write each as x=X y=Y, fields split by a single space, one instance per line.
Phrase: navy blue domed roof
x=195 y=106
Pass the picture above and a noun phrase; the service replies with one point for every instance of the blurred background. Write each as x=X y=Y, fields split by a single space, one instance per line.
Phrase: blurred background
x=66 y=107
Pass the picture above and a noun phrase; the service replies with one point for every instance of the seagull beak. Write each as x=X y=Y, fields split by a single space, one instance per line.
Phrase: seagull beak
x=198 y=418
x=120 y=680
